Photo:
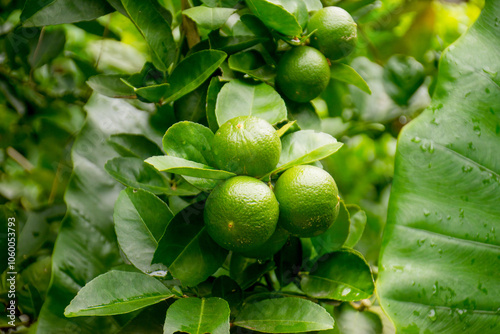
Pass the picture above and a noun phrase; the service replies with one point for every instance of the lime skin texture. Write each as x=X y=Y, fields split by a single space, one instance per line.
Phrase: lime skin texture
x=246 y=145
x=309 y=201
x=336 y=33
x=303 y=73
x=241 y=213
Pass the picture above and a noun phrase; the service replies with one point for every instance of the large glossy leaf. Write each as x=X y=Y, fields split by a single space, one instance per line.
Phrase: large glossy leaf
x=156 y=30
x=275 y=16
x=86 y=244
x=440 y=258
x=140 y=220
x=53 y=12
x=117 y=292
x=133 y=145
x=342 y=275
x=238 y=98
x=190 y=141
x=304 y=147
x=198 y=316
x=187 y=167
x=187 y=249
x=284 y=315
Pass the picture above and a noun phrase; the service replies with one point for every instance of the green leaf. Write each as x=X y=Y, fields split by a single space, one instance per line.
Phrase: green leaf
x=226 y=288
x=335 y=237
x=193 y=106
x=305 y=115
x=275 y=17
x=220 y=3
x=153 y=93
x=238 y=98
x=52 y=12
x=346 y=73
x=304 y=147
x=313 y=5
x=213 y=91
x=96 y=28
x=350 y=320
x=252 y=64
x=358 y=223
x=440 y=257
x=86 y=243
x=140 y=220
x=117 y=292
x=209 y=18
x=232 y=44
x=342 y=275
x=133 y=145
x=288 y=261
x=403 y=75
x=246 y=271
x=134 y=172
x=281 y=131
x=190 y=141
x=284 y=315
x=156 y=30
x=187 y=167
x=111 y=85
x=198 y=316
x=50 y=45
x=187 y=249
x=192 y=72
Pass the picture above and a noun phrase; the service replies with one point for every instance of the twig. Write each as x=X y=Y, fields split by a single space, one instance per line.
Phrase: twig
x=20 y=159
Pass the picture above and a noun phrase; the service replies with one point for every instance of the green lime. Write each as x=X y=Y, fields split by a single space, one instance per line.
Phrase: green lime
x=247 y=145
x=241 y=213
x=270 y=247
x=335 y=34
x=303 y=73
x=309 y=201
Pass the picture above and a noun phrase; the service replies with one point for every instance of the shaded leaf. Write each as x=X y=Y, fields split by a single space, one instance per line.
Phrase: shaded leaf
x=140 y=220
x=342 y=275
x=192 y=72
x=50 y=45
x=86 y=244
x=246 y=271
x=335 y=237
x=284 y=315
x=198 y=316
x=187 y=167
x=213 y=91
x=111 y=85
x=238 y=98
x=252 y=64
x=187 y=249
x=155 y=29
x=226 y=288
x=124 y=292
x=133 y=145
x=53 y=12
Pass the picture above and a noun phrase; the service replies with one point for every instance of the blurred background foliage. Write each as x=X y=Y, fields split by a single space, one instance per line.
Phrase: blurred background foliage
x=43 y=74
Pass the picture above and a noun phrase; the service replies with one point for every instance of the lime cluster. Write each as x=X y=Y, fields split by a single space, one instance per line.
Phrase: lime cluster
x=243 y=214
x=304 y=71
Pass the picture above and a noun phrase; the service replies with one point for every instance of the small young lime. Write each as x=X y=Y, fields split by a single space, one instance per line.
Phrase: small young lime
x=336 y=33
x=308 y=199
x=241 y=213
x=303 y=73
x=246 y=145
